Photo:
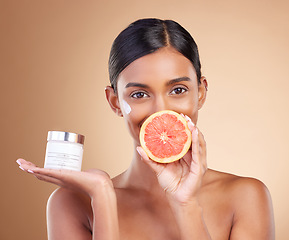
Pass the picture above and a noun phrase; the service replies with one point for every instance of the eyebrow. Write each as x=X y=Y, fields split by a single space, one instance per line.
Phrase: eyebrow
x=176 y=80
x=134 y=84
x=141 y=85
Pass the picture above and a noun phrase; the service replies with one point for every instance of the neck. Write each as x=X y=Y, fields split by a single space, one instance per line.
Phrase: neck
x=138 y=176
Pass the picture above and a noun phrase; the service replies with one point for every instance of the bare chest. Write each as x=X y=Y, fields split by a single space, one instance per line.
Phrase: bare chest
x=144 y=221
x=147 y=223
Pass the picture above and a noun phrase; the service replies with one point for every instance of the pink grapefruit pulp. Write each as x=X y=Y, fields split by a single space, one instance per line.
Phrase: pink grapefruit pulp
x=165 y=136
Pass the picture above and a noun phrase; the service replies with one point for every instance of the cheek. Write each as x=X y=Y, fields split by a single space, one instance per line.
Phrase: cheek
x=126 y=107
x=134 y=116
x=134 y=112
x=187 y=106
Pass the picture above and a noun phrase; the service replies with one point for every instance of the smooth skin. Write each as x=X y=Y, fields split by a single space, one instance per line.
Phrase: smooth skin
x=180 y=200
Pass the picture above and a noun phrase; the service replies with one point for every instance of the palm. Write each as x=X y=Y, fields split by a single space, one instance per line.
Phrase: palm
x=85 y=182
x=177 y=178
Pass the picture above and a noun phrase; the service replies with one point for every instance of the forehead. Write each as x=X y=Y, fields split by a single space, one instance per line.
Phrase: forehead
x=162 y=65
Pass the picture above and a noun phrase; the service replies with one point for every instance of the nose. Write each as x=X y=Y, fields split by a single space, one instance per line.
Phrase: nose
x=160 y=104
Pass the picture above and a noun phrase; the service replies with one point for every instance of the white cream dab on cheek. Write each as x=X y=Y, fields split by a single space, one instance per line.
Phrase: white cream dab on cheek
x=126 y=107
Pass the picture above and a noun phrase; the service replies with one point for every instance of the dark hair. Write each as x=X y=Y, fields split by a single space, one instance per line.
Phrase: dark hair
x=146 y=36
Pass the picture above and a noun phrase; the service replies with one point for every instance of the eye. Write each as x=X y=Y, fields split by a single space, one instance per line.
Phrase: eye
x=178 y=90
x=139 y=95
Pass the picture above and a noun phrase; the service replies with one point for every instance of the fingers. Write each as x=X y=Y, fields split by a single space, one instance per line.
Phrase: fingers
x=45 y=175
x=21 y=161
x=32 y=168
x=49 y=179
x=156 y=167
x=195 y=138
x=195 y=145
x=26 y=165
x=203 y=150
x=198 y=146
x=48 y=175
x=87 y=182
x=142 y=153
x=59 y=174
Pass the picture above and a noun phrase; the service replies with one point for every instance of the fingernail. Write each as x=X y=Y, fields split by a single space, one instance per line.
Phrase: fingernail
x=30 y=171
x=18 y=162
x=197 y=131
x=137 y=150
x=189 y=119
x=22 y=168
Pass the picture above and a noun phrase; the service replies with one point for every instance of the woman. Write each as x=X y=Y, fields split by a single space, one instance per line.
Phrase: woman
x=154 y=65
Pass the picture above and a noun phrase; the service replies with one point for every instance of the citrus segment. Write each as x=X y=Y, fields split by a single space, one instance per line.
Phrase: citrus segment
x=165 y=136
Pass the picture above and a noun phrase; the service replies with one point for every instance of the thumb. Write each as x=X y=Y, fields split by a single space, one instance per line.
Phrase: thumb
x=156 y=167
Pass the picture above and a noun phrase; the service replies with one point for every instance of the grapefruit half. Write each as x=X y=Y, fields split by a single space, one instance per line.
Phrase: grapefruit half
x=165 y=136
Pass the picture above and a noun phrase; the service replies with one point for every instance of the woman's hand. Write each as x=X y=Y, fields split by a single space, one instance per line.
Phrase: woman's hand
x=86 y=182
x=97 y=185
x=182 y=179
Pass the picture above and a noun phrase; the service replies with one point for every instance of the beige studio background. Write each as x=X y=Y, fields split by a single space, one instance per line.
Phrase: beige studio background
x=54 y=70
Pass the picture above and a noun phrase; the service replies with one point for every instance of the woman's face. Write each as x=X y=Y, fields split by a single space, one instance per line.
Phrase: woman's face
x=163 y=80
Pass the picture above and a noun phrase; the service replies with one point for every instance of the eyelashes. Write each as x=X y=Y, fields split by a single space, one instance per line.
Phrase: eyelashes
x=139 y=94
x=142 y=94
x=178 y=90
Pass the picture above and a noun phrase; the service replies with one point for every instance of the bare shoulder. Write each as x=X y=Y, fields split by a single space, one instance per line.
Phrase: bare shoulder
x=251 y=204
x=238 y=187
x=66 y=199
x=68 y=214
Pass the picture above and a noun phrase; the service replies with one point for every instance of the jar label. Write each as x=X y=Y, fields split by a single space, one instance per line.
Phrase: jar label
x=63 y=155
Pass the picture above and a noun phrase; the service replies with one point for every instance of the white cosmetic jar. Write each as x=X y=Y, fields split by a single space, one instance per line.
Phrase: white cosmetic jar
x=64 y=150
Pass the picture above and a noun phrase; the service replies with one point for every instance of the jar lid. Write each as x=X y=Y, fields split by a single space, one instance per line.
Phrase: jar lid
x=65 y=136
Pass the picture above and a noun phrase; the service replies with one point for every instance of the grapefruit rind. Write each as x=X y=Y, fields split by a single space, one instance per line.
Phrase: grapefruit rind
x=172 y=158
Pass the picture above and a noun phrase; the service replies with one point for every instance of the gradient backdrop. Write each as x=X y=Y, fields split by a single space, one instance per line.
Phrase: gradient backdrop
x=53 y=60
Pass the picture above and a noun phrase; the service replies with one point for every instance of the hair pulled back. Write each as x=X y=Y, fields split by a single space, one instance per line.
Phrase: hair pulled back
x=146 y=36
